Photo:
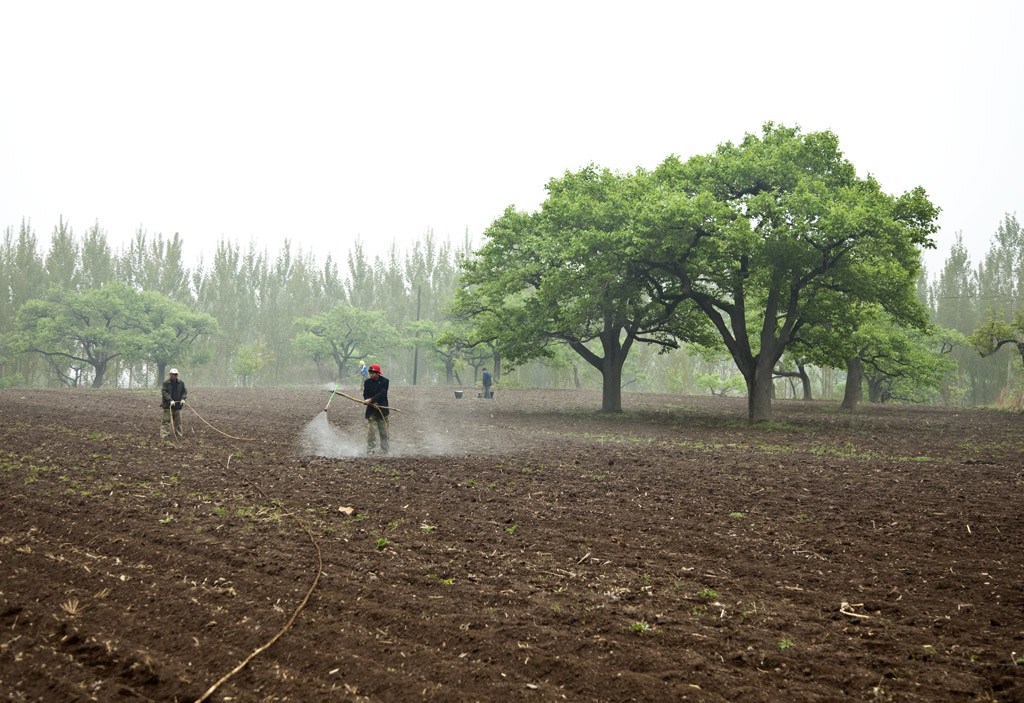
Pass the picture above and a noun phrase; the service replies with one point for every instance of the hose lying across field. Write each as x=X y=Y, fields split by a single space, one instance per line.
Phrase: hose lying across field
x=291 y=620
x=244 y=439
x=319 y=555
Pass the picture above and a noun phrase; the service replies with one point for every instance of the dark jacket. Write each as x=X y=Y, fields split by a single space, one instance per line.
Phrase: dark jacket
x=173 y=391
x=487 y=379
x=377 y=392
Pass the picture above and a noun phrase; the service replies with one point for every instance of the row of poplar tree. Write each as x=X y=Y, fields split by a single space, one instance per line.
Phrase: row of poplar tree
x=984 y=302
x=74 y=311
x=254 y=300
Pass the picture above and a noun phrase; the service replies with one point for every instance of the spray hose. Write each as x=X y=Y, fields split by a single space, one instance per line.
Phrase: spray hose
x=386 y=407
x=331 y=398
x=378 y=408
x=244 y=439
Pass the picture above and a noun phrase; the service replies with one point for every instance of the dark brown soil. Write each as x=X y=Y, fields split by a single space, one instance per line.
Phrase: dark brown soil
x=521 y=548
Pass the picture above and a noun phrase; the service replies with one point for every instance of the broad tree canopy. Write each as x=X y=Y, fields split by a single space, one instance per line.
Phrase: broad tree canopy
x=73 y=331
x=564 y=274
x=775 y=233
x=173 y=331
x=344 y=333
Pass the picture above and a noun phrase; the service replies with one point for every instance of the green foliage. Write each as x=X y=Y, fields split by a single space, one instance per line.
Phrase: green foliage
x=640 y=627
x=781 y=198
x=12 y=381
x=973 y=300
x=566 y=274
x=716 y=385
x=776 y=234
x=994 y=332
x=80 y=334
x=444 y=343
x=250 y=360
x=900 y=362
x=344 y=334
x=173 y=330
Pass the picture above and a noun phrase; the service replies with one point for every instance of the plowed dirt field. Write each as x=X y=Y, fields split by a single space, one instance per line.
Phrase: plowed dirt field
x=524 y=548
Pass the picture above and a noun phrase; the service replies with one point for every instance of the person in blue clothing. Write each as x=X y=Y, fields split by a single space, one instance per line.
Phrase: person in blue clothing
x=375 y=397
x=487 y=383
x=362 y=369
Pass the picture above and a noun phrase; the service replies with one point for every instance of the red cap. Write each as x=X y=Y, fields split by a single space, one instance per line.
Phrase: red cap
x=375 y=367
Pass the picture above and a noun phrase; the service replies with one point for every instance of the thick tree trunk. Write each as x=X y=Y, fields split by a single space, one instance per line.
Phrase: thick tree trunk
x=854 y=382
x=614 y=357
x=101 y=372
x=611 y=394
x=611 y=387
x=759 y=395
x=614 y=353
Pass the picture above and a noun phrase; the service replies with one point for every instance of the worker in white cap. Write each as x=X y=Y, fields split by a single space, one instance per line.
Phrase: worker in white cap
x=173 y=394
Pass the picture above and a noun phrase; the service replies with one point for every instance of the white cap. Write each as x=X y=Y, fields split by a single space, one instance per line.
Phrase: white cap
x=174 y=371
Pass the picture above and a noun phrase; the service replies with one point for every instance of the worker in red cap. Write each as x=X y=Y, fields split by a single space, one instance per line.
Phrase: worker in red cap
x=375 y=396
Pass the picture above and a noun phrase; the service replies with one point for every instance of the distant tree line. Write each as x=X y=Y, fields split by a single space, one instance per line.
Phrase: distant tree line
x=767 y=268
x=984 y=303
x=76 y=312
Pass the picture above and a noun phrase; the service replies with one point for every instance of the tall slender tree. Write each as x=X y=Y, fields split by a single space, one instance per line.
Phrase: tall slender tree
x=62 y=267
x=98 y=260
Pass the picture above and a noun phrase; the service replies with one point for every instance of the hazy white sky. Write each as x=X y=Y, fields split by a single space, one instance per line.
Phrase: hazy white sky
x=322 y=122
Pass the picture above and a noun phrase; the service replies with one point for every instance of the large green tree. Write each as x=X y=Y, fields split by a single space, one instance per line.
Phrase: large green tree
x=98 y=261
x=898 y=362
x=566 y=274
x=1000 y=287
x=155 y=264
x=75 y=330
x=763 y=234
x=231 y=289
x=909 y=368
x=343 y=334
x=171 y=331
